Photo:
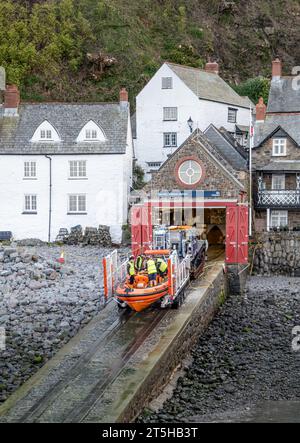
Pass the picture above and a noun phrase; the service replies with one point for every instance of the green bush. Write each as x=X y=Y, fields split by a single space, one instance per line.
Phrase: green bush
x=254 y=88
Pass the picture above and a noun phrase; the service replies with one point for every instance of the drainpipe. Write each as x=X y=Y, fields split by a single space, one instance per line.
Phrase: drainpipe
x=50 y=196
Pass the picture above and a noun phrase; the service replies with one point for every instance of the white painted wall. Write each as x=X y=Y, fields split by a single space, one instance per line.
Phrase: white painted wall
x=149 y=115
x=106 y=188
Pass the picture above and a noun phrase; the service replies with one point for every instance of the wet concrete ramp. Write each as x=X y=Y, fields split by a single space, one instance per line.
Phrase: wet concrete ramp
x=109 y=371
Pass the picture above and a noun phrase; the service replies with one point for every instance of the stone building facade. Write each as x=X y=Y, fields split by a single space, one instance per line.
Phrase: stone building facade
x=216 y=175
x=276 y=157
x=199 y=168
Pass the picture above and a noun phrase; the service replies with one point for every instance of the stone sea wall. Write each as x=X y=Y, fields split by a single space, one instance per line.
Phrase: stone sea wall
x=277 y=253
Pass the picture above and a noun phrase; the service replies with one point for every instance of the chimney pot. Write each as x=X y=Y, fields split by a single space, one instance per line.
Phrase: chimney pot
x=212 y=67
x=261 y=110
x=123 y=95
x=276 y=68
x=11 y=100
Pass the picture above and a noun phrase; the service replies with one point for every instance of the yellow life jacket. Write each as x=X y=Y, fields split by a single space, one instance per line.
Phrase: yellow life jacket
x=131 y=270
x=162 y=265
x=151 y=267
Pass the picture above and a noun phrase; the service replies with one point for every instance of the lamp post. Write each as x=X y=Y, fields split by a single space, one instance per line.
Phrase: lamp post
x=191 y=124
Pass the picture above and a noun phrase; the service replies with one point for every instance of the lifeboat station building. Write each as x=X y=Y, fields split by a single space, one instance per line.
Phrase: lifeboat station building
x=204 y=183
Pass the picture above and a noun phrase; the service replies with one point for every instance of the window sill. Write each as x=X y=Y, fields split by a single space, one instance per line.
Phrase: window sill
x=278 y=155
x=30 y=178
x=29 y=213
x=76 y=213
x=170 y=120
x=170 y=147
x=77 y=178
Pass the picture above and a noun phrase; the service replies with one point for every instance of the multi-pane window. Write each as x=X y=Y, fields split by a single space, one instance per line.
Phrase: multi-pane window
x=77 y=169
x=91 y=134
x=278 y=182
x=279 y=219
x=232 y=114
x=30 y=203
x=46 y=134
x=279 y=146
x=167 y=83
x=170 y=139
x=77 y=203
x=170 y=114
x=29 y=169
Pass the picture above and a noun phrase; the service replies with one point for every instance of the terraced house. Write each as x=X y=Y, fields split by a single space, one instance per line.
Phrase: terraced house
x=276 y=155
x=63 y=165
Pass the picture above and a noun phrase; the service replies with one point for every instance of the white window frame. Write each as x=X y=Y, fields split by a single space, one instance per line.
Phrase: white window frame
x=278 y=182
x=279 y=147
x=75 y=209
x=170 y=114
x=190 y=172
x=167 y=83
x=154 y=164
x=172 y=140
x=231 y=112
x=30 y=170
x=77 y=169
x=282 y=219
x=30 y=203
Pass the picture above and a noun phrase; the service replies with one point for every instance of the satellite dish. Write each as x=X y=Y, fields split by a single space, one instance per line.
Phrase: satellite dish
x=2 y=79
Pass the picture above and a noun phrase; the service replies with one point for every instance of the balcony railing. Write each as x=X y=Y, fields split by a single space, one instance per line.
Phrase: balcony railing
x=277 y=199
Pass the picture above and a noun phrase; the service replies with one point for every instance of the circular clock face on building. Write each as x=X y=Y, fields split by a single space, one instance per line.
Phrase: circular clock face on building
x=190 y=172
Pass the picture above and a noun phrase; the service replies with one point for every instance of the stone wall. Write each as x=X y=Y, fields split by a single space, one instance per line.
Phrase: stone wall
x=277 y=253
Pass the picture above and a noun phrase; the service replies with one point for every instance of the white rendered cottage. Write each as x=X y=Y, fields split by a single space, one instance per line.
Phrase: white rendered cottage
x=63 y=165
x=176 y=101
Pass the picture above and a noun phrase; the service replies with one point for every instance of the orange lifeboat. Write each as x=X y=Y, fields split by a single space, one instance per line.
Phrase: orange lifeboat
x=140 y=295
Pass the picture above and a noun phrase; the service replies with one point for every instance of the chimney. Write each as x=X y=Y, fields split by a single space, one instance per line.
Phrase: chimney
x=11 y=100
x=261 y=110
x=123 y=97
x=276 y=69
x=212 y=67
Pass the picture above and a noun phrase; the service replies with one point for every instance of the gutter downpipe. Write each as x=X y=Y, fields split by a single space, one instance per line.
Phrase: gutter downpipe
x=50 y=196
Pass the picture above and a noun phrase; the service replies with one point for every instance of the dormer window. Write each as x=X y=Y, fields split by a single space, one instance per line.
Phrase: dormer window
x=45 y=133
x=91 y=132
x=279 y=147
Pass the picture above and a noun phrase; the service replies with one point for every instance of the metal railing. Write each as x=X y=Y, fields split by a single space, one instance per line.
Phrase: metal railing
x=114 y=272
x=277 y=199
x=179 y=273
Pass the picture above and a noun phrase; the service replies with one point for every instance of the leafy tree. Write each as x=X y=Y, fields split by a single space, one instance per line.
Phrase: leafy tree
x=254 y=88
x=138 y=177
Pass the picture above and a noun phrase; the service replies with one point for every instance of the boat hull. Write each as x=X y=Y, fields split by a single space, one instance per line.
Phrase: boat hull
x=140 y=299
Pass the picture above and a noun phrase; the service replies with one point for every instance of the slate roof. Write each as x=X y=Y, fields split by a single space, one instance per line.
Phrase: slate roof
x=284 y=96
x=281 y=166
x=209 y=86
x=226 y=149
x=68 y=120
x=288 y=123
